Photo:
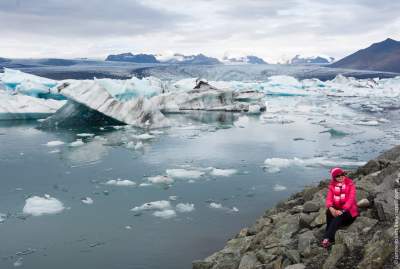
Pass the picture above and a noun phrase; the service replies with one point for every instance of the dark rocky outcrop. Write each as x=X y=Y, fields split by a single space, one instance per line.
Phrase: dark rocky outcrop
x=381 y=56
x=288 y=236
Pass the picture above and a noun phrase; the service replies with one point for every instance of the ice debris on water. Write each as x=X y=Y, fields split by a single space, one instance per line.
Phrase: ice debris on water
x=85 y=135
x=223 y=172
x=120 y=182
x=184 y=207
x=184 y=173
x=156 y=205
x=18 y=262
x=160 y=179
x=38 y=206
x=54 y=143
x=87 y=200
x=2 y=217
x=77 y=143
x=278 y=187
x=165 y=214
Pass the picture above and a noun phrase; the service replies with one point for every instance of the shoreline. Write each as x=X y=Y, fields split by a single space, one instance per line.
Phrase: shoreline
x=288 y=235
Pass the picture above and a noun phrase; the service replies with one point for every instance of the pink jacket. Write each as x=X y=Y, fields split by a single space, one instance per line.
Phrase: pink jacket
x=342 y=196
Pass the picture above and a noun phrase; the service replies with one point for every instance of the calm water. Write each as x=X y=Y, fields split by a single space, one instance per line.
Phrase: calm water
x=95 y=236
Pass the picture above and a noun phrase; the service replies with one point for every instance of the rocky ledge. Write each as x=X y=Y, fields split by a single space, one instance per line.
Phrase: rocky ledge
x=288 y=236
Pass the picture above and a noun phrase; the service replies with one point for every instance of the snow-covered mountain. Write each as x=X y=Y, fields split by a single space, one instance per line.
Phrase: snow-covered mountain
x=299 y=59
x=248 y=59
x=176 y=58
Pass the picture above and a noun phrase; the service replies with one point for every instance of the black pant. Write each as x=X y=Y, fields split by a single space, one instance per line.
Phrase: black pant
x=333 y=223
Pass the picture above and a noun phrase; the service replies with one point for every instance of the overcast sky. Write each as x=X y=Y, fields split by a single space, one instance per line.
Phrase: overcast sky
x=266 y=28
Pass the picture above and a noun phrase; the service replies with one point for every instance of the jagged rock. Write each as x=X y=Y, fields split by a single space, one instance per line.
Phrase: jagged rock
x=310 y=206
x=296 y=266
x=320 y=219
x=337 y=252
x=363 y=203
x=265 y=257
x=377 y=251
x=293 y=255
x=305 y=220
x=198 y=264
x=305 y=241
x=296 y=209
x=249 y=261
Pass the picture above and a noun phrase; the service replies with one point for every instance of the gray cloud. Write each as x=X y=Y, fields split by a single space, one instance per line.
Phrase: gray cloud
x=267 y=28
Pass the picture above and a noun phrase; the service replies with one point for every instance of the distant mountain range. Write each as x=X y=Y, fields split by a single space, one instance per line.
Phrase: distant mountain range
x=381 y=56
x=4 y=60
x=249 y=59
x=178 y=58
x=298 y=59
x=172 y=59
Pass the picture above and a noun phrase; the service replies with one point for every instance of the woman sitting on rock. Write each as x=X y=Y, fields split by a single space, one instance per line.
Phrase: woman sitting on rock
x=340 y=203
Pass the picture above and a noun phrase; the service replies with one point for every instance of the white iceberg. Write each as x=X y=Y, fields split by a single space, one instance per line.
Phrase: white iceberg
x=120 y=182
x=278 y=187
x=184 y=207
x=156 y=205
x=76 y=143
x=87 y=200
x=165 y=214
x=184 y=173
x=38 y=206
x=161 y=179
x=54 y=143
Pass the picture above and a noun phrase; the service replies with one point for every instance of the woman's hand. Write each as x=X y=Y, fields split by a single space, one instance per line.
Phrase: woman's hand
x=339 y=212
x=333 y=211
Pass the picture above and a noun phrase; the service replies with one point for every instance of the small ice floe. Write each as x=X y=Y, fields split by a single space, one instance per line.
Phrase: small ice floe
x=242 y=122
x=235 y=209
x=274 y=165
x=19 y=262
x=145 y=136
x=120 y=182
x=222 y=172
x=139 y=145
x=38 y=206
x=54 y=151
x=165 y=214
x=183 y=173
x=87 y=200
x=215 y=205
x=335 y=133
x=54 y=143
x=156 y=132
x=184 y=207
x=76 y=143
x=85 y=135
x=368 y=122
x=278 y=187
x=383 y=120
x=2 y=217
x=156 y=205
x=128 y=227
x=160 y=179
x=144 y=184
x=173 y=198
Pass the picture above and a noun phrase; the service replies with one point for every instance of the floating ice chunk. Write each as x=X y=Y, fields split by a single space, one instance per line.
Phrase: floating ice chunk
x=38 y=206
x=165 y=214
x=367 y=122
x=139 y=145
x=145 y=136
x=54 y=143
x=223 y=172
x=156 y=205
x=335 y=133
x=274 y=165
x=242 y=122
x=183 y=208
x=278 y=187
x=160 y=179
x=144 y=184
x=19 y=262
x=234 y=209
x=2 y=217
x=173 y=197
x=85 y=135
x=87 y=200
x=128 y=227
x=77 y=143
x=183 y=173
x=120 y=182
x=215 y=205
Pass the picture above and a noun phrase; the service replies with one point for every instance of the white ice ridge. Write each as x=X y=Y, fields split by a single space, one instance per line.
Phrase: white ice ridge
x=15 y=106
x=275 y=165
x=38 y=206
x=120 y=182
